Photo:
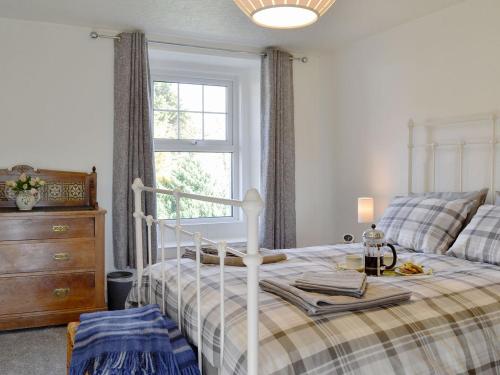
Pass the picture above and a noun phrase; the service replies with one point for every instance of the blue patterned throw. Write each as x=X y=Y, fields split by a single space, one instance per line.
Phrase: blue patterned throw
x=139 y=341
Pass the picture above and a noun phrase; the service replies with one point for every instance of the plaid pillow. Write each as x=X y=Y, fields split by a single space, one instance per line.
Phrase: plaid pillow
x=477 y=197
x=480 y=240
x=427 y=225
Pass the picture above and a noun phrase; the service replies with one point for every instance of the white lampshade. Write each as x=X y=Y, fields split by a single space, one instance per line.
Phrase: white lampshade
x=365 y=210
x=284 y=14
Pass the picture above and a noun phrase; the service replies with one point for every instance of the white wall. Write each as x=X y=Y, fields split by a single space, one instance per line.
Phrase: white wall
x=56 y=112
x=444 y=64
x=314 y=152
x=56 y=102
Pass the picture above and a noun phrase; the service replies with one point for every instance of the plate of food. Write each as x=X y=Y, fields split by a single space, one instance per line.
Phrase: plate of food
x=412 y=269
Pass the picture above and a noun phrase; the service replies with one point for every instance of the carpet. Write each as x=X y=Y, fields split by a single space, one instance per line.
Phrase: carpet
x=39 y=351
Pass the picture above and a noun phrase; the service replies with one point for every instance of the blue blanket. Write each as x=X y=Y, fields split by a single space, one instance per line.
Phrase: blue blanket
x=136 y=341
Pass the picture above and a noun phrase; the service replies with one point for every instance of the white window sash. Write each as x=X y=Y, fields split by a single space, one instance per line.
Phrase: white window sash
x=230 y=145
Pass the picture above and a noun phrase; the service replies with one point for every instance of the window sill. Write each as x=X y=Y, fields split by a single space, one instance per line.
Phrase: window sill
x=207 y=221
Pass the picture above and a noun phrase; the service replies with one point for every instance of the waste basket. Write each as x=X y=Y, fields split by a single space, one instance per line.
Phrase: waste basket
x=119 y=285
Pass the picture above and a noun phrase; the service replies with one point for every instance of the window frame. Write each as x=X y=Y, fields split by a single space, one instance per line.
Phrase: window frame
x=230 y=145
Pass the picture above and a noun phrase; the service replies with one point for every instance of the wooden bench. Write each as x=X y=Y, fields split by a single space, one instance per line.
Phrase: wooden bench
x=71 y=333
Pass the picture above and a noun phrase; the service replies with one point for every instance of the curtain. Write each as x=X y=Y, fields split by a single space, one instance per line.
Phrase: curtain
x=133 y=144
x=278 y=227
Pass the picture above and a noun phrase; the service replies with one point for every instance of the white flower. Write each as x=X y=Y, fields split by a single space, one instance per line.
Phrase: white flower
x=34 y=192
x=25 y=187
x=23 y=177
x=10 y=184
x=42 y=182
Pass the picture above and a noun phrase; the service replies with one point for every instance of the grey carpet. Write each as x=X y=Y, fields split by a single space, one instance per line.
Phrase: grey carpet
x=40 y=351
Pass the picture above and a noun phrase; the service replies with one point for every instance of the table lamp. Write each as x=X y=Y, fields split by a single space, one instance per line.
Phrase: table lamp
x=365 y=210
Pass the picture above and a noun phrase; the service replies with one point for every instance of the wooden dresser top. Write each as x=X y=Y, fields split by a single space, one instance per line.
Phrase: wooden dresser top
x=12 y=212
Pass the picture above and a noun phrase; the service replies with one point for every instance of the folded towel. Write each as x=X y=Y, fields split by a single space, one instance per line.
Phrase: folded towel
x=133 y=341
x=209 y=256
x=343 y=283
x=377 y=294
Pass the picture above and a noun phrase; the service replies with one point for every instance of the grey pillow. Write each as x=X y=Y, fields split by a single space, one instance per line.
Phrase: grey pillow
x=477 y=197
x=426 y=225
x=480 y=240
x=497 y=201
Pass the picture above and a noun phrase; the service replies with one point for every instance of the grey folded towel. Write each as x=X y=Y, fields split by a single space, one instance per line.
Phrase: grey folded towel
x=377 y=294
x=344 y=283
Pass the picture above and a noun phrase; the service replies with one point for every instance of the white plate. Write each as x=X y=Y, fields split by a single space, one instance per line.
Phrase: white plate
x=427 y=271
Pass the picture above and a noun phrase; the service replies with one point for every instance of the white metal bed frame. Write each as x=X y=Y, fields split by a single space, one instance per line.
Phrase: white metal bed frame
x=489 y=119
x=252 y=206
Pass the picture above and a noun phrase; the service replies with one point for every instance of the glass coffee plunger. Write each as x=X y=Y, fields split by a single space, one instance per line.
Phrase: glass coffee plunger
x=374 y=244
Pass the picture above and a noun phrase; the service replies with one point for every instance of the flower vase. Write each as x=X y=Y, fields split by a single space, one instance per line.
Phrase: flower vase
x=25 y=200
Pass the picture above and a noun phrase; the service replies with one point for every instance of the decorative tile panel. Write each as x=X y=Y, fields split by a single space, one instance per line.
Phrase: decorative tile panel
x=3 y=193
x=75 y=191
x=53 y=191
x=6 y=194
x=63 y=191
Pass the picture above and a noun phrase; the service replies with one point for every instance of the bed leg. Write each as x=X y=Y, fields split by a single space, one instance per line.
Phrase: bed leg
x=137 y=187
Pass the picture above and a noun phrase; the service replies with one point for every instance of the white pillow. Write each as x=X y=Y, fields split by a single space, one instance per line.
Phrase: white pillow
x=480 y=240
x=427 y=225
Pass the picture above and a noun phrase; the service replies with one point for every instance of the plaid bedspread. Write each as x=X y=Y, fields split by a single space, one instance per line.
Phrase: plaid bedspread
x=450 y=326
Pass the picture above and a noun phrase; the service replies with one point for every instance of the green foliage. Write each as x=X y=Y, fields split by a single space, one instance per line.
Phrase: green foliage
x=189 y=176
x=181 y=170
x=165 y=114
x=164 y=96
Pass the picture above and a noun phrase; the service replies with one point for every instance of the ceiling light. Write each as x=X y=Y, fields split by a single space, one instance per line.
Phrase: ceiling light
x=284 y=14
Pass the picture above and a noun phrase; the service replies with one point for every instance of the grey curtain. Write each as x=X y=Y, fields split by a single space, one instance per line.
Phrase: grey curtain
x=133 y=144
x=278 y=226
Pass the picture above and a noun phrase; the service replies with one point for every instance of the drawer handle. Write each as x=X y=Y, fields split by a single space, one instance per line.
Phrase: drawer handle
x=61 y=292
x=60 y=228
x=61 y=256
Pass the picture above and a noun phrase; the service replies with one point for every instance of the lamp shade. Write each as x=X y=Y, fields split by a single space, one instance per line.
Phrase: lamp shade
x=284 y=14
x=365 y=210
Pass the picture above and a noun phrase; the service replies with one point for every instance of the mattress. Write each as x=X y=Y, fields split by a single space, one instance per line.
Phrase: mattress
x=450 y=326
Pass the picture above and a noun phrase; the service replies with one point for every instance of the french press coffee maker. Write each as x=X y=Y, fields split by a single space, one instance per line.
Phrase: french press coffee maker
x=373 y=243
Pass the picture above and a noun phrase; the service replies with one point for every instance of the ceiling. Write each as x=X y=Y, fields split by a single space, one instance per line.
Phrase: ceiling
x=220 y=21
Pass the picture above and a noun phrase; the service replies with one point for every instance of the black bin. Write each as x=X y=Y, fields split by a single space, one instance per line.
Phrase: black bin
x=119 y=285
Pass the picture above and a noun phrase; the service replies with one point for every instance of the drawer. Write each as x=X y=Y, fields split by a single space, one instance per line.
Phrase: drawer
x=48 y=292
x=39 y=228
x=53 y=255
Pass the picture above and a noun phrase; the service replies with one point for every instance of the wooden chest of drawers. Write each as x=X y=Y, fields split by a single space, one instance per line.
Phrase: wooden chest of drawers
x=51 y=265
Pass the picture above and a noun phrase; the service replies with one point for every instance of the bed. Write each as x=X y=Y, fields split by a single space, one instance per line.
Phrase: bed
x=451 y=325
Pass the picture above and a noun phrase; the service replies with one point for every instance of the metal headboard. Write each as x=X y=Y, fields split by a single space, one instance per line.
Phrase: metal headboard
x=489 y=122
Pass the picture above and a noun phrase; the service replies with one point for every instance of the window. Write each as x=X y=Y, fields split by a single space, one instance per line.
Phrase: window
x=195 y=148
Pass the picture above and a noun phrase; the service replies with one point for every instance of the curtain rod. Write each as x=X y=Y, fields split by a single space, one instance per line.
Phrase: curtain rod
x=95 y=35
